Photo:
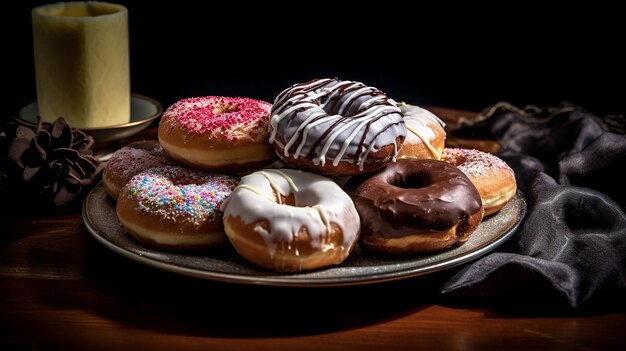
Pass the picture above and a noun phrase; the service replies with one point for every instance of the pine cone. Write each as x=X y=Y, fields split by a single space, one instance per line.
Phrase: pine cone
x=53 y=162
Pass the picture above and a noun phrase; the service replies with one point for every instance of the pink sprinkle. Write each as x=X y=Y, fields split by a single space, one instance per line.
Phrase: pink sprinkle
x=226 y=117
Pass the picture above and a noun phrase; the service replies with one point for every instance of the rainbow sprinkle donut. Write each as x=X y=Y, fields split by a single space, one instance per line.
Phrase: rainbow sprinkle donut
x=175 y=207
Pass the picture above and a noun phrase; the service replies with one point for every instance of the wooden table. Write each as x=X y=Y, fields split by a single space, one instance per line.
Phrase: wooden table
x=59 y=288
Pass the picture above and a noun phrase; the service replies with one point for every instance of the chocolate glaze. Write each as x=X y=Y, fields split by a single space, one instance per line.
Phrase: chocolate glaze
x=413 y=196
x=332 y=120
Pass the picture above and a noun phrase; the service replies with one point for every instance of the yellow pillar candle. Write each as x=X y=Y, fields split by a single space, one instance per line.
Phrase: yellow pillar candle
x=81 y=63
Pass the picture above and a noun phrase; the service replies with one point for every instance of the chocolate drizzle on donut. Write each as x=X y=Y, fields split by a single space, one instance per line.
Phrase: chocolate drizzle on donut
x=413 y=196
x=338 y=120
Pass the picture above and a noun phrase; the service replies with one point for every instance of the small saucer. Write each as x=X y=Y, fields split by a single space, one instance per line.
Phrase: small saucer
x=143 y=110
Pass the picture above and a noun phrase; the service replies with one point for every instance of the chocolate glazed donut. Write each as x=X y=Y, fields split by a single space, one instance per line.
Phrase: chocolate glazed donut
x=334 y=127
x=414 y=206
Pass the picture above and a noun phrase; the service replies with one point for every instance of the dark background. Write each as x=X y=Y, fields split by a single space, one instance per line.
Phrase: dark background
x=460 y=57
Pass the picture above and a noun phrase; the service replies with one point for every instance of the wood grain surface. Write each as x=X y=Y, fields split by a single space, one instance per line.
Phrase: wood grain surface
x=60 y=289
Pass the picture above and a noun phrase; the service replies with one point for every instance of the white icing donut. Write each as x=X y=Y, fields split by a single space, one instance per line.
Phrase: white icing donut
x=289 y=220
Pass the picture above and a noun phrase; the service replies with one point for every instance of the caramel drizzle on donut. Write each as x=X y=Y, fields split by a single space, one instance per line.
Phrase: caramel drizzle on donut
x=415 y=118
x=428 y=145
x=300 y=108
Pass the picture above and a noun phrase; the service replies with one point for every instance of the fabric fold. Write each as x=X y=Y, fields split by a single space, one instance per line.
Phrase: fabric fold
x=571 y=248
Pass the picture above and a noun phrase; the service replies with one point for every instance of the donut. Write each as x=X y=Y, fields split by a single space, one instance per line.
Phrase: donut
x=218 y=134
x=130 y=160
x=415 y=206
x=175 y=208
x=426 y=136
x=336 y=128
x=288 y=220
x=493 y=178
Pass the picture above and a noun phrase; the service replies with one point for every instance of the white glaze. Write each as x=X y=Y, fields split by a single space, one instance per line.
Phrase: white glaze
x=318 y=202
x=308 y=112
x=419 y=123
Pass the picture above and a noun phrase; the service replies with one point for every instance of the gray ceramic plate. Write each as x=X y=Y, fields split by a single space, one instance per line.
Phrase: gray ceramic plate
x=360 y=268
x=143 y=110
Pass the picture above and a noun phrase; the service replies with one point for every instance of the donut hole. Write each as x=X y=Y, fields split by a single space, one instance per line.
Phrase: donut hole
x=413 y=181
x=289 y=200
x=225 y=108
x=347 y=105
x=184 y=182
x=333 y=108
x=454 y=160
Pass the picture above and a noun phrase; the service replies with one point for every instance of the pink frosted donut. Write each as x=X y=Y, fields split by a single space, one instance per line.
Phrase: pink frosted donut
x=174 y=207
x=493 y=178
x=130 y=160
x=217 y=133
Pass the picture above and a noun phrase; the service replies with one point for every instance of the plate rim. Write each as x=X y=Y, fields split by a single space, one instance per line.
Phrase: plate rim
x=287 y=280
x=151 y=117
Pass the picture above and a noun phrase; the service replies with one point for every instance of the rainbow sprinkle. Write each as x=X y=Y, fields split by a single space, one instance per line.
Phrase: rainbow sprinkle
x=178 y=193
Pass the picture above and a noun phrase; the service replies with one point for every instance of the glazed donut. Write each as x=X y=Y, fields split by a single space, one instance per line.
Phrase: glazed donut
x=175 y=208
x=413 y=206
x=336 y=127
x=216 y=133
x=426 y=136
x=130 y=160
x=289 y=220
x=493 y=178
